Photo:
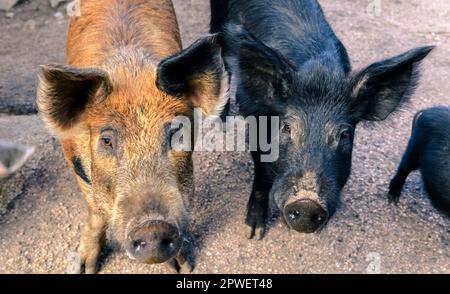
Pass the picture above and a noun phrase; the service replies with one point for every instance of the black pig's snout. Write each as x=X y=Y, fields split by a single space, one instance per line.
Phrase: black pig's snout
x=153 y=242
x=305 y=216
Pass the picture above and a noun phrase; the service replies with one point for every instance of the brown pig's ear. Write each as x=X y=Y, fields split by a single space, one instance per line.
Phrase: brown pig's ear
x=198 y=74
x=64 y=92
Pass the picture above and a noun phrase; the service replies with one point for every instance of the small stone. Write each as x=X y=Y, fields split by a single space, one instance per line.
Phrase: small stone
x=59 y=15
x=9 y=14
x=29 y=26
x=7 y=4
x=56 y=3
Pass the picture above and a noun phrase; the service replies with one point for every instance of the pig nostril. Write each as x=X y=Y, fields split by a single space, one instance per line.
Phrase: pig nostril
x=294 y=214
x=168 y=243
x=138 y=244
x=316 y=218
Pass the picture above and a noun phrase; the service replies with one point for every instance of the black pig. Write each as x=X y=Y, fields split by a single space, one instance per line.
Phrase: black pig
x=428 y=150
x=289 y=63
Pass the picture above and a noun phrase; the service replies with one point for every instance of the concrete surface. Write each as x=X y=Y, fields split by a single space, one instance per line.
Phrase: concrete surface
x=43 y=223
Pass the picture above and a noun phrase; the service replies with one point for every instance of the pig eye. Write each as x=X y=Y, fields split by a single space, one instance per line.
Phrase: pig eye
x=107 y=142
x=345 y=137
x=286 y=128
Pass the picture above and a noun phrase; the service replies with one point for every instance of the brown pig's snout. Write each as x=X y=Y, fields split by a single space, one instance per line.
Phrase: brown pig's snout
x=153 y=242
x=305 y=215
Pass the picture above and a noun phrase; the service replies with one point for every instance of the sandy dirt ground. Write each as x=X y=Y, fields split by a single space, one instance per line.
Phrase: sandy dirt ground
x=42 y=225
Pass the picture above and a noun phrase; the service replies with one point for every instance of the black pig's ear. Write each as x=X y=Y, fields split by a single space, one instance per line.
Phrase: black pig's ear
x=64 y=92
x=197 y=74
x=260 y=71
x=379 y=89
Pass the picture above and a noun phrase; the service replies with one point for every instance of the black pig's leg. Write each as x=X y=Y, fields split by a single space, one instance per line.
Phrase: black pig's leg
x=258 y=203
x=409 y=163
x=185 y=259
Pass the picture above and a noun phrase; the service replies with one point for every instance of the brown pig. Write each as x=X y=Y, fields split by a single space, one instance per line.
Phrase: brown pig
x=114 y=123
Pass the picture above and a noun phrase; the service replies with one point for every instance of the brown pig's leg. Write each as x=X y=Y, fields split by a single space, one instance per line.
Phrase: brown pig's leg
x=92 y=241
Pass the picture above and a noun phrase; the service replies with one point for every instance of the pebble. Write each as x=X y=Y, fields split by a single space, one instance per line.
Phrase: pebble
x=7 y=4
x=58 y=15
x=9 y=14
x=56 y=3
x=29 y=26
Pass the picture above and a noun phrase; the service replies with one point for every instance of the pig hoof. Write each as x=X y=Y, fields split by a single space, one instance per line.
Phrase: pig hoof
x=256 y=223
x=89 y=265
x=394 y=195
x=89 y=260
x=186 y=267
x=395 y=190
x=174 y=266
x=255 y=230
x=393 y=198
x=184 y=262
x=179 y=266
x=186 y=259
